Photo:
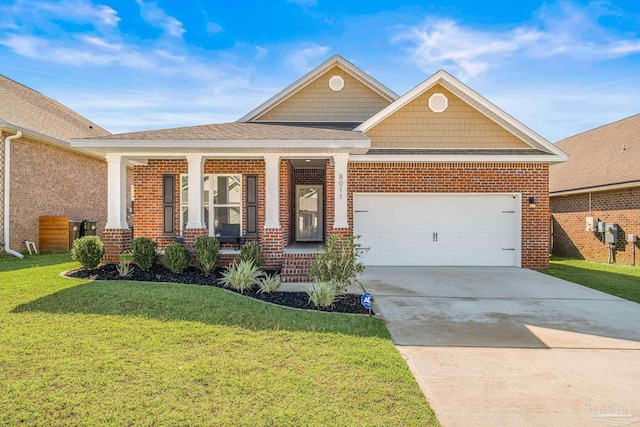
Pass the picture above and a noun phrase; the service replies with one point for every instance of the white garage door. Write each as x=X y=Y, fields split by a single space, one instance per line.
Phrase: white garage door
x=439 y=229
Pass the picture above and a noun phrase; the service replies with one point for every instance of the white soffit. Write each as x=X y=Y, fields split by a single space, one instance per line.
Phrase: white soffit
x=303 y=81
x=475 y=100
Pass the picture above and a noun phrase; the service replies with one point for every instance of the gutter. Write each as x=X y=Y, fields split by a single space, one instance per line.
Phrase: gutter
x=7 y=192
x=606 y=187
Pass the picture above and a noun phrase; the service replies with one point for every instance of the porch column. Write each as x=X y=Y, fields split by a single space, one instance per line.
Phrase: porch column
x=272 y=184
x=196 y=207
x=116 y=192
x=340 y=198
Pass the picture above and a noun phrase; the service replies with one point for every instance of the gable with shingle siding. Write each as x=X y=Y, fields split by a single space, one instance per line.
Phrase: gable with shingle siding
x=459 y=126
x=317 y=102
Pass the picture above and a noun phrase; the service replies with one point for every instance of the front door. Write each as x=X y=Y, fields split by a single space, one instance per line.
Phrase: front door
x=309 y=224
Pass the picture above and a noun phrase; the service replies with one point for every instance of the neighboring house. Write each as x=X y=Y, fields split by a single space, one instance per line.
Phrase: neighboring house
x=47 y=176
x=438 y=176
x=600 y=180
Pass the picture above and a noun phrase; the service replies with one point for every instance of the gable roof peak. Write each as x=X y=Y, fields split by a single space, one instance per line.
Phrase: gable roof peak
x=311 y=76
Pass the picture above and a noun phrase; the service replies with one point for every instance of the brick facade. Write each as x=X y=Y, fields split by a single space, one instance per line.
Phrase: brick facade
x=50 y=180
x=570 y=239
x=530 y=179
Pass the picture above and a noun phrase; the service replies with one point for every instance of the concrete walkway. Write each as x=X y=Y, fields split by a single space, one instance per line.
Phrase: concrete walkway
x=510 y=347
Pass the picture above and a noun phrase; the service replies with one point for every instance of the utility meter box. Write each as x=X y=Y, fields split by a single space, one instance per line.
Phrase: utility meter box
x=590 y=224
x=611 y=233
x=632 y=238
x=601 y=227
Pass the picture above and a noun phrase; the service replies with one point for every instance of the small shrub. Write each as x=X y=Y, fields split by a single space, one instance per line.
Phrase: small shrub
x=207 y=253
x=241 y=276
x=338 y=261
x=269 y=283
x=124 y=264
x=88 y=251
x=176 y=258
x=251 y=252
x=144 y=252
x=324 y=294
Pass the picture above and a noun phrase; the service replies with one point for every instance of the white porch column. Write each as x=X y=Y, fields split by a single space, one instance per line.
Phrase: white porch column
x=116 y=192
x=272 y=184
x=196 y=207
x=340 y=162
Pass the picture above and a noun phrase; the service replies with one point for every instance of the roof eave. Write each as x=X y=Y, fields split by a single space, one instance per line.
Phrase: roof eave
x=594 y=189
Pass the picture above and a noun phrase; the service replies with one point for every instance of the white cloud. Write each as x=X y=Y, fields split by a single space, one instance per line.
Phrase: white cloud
x=303 y=59
x=157 y=17
x=78 y=11
x=261 y=52
x=560 y=29
x=214 y=28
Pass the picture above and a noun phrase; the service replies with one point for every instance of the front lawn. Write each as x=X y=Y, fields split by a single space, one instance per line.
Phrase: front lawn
x=75 y=352
x=615 y=279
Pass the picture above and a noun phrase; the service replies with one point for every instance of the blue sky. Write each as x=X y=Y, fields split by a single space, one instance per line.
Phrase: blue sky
x=559 y=67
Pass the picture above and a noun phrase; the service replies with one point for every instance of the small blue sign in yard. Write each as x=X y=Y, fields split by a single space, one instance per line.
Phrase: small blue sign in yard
x=365 y=299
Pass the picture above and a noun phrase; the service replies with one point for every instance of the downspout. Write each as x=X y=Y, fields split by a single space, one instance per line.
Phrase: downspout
x=7 y=191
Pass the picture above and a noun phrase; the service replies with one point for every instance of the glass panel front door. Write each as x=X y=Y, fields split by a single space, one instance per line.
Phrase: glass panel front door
x=309 y=215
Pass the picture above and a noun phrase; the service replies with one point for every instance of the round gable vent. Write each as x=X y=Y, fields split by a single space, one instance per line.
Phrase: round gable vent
x=336 y=83
x=438 y=102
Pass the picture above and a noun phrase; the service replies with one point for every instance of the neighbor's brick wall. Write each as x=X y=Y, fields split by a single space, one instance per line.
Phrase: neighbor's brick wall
x=459 y=126
x=530 y=179
x=569 y=213
x=316 y=101
x=48 y=180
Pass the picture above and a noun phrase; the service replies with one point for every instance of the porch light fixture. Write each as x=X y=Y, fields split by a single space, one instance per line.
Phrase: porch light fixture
x=532 y=202
x=308 y=161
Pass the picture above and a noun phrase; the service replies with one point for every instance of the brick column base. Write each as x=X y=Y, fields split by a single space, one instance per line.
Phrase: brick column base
x=190 y=235
x=272 y=242
x=116 y=241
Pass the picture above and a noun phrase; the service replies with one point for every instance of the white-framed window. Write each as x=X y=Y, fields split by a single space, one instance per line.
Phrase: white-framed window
x=222 y=200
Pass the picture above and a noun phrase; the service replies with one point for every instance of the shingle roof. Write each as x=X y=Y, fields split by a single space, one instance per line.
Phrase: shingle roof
x=603 y=156
x=26 y=108
x=250 y=131
x=457 y=151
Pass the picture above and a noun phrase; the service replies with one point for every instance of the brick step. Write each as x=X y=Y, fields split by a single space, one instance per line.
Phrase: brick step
x=294 y=267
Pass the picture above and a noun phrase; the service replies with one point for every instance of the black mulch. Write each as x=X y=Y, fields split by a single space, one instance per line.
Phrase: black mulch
x=193 y=276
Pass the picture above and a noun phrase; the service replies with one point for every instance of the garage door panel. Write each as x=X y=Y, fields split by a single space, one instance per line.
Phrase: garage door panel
x=472 y=230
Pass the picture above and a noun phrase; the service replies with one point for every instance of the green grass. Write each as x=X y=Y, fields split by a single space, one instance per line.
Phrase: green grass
x=74 y=352
x=615 y=279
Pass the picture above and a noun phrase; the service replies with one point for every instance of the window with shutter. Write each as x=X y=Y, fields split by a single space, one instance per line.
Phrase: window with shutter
x=169 y=205
x=251 y=213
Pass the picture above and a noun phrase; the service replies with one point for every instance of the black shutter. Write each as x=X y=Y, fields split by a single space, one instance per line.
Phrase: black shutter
x=251 y=209
x=168 y=205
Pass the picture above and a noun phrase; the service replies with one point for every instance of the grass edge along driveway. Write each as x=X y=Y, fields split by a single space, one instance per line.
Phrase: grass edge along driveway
x=615 y=279
x=133 y=353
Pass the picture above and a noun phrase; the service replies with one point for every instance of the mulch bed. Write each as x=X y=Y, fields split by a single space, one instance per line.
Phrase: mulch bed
x=346 y=304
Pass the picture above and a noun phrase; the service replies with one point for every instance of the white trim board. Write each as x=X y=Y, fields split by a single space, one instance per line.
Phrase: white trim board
x=475 y=100
x=311 y=76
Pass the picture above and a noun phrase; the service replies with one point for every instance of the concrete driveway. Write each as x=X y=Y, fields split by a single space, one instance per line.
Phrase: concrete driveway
x=508 y=346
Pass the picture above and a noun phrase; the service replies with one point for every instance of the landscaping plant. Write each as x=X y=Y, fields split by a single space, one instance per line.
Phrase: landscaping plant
x=269 y=283
x=337 y=262
x=144 y=252
x=207 y=253
x=251 y=252
x=241 y=276
x=176 y=258
x=124 y=264
x=88 y=251
x=324 y=294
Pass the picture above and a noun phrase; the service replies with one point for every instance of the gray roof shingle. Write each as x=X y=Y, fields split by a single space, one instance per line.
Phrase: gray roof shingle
x=249 y=131
x=597 y=157
x=26 y=108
